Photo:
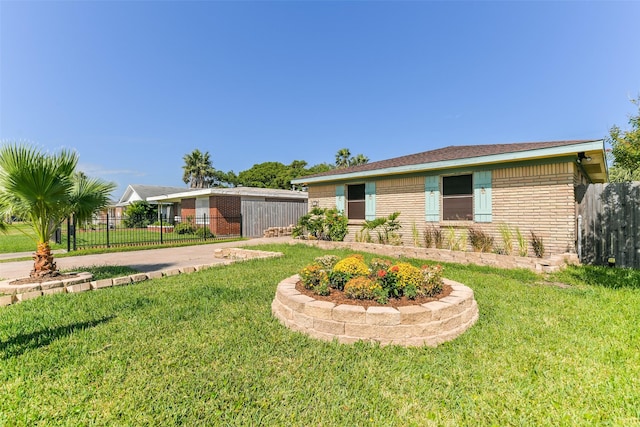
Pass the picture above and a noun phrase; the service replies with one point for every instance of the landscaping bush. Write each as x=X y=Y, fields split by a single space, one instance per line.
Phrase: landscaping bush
x=184 y=228
x=322 y=224
x=204 y=233
x=139 y=214
x=386 y=230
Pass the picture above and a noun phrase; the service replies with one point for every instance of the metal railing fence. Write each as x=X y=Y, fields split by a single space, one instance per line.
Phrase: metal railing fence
x=106 y=231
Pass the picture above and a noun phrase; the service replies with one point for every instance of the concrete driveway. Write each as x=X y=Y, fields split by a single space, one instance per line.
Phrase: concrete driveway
x=144 y=261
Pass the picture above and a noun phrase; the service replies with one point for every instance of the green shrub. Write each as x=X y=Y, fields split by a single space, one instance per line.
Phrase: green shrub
x=322 y=224
x=139 y=214
x=338 y=279
x=184 y=228
x=385 y=228
x=204 y=233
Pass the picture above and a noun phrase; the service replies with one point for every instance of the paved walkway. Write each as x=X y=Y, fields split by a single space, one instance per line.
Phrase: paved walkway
x=143 y=261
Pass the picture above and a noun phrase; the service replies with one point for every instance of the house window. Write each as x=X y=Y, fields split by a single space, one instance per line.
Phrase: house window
x=356 y=201
x=457 y=197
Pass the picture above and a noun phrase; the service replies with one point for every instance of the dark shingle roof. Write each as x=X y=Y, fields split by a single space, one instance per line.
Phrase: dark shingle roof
x=453 y=152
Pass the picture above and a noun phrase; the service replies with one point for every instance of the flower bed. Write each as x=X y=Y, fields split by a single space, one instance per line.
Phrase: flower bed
x=428 y=324
x=349 y=300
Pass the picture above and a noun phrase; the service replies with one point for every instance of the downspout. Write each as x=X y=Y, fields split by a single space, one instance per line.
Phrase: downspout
x=580 y=237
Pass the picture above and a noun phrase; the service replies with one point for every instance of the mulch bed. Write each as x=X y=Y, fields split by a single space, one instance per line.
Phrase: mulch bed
x=31 y=280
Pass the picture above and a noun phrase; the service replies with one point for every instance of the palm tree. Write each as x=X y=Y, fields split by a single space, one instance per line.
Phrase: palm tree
x=360 y=159
x=198 y=170
x=44 y=190
x=342 y=158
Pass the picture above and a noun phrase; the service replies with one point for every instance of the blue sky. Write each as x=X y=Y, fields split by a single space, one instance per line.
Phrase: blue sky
x=134 y=86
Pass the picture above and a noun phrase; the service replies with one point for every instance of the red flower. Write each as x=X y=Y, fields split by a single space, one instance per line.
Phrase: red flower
x=382 y=274
x=395 y=269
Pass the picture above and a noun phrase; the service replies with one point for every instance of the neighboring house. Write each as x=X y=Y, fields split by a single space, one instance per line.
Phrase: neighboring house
x=245 y=211
x=136 y=192
x=532 y=186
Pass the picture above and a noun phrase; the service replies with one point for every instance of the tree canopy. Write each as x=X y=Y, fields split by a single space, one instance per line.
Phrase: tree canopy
x=200 y=173
x=626 y=149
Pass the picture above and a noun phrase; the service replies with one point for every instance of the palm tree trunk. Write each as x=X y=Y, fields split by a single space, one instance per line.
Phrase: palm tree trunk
x=43 y=265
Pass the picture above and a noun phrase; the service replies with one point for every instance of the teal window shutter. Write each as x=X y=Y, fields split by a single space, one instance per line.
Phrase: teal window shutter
x=432 y=198
x=340 y=198
x=482 y=196
x=370 y=201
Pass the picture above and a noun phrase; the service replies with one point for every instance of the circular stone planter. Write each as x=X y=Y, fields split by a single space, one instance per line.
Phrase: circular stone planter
x=428 y=324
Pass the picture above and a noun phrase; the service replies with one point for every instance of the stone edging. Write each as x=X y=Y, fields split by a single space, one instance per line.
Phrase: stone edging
x=82 y=283
x=553 y=263
x=428 y=324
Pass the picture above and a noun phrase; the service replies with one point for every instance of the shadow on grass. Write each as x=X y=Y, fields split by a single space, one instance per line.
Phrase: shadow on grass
x=607 y=277
x=15 y=346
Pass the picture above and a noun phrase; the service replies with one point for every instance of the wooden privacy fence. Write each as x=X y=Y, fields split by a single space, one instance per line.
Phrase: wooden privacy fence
x=258 y=215
x=609 y=224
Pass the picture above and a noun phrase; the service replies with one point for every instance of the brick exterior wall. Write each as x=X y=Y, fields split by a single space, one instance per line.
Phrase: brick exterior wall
x=539 y=198
x=188 y=208
x=226 y=213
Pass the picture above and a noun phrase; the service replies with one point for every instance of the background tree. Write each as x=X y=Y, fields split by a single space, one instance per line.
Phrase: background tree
x=345 y=159
x=265 y=175
x=360 y=159
x=198 y=170
x=140 y=214
x=342 y=158
x=319 y=168
x=626 y=149
x=44 y=190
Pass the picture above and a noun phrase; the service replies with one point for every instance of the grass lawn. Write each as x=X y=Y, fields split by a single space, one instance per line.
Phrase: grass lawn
x=203 y=349
x=20 y=238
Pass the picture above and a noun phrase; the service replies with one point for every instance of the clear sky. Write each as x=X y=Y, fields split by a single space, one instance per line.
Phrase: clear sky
x=133 y=86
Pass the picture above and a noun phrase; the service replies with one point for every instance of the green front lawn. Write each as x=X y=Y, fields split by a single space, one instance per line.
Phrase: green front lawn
x=203 y=349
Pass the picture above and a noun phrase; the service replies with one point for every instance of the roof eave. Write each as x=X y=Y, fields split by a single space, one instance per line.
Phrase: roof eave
x=470 y=161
